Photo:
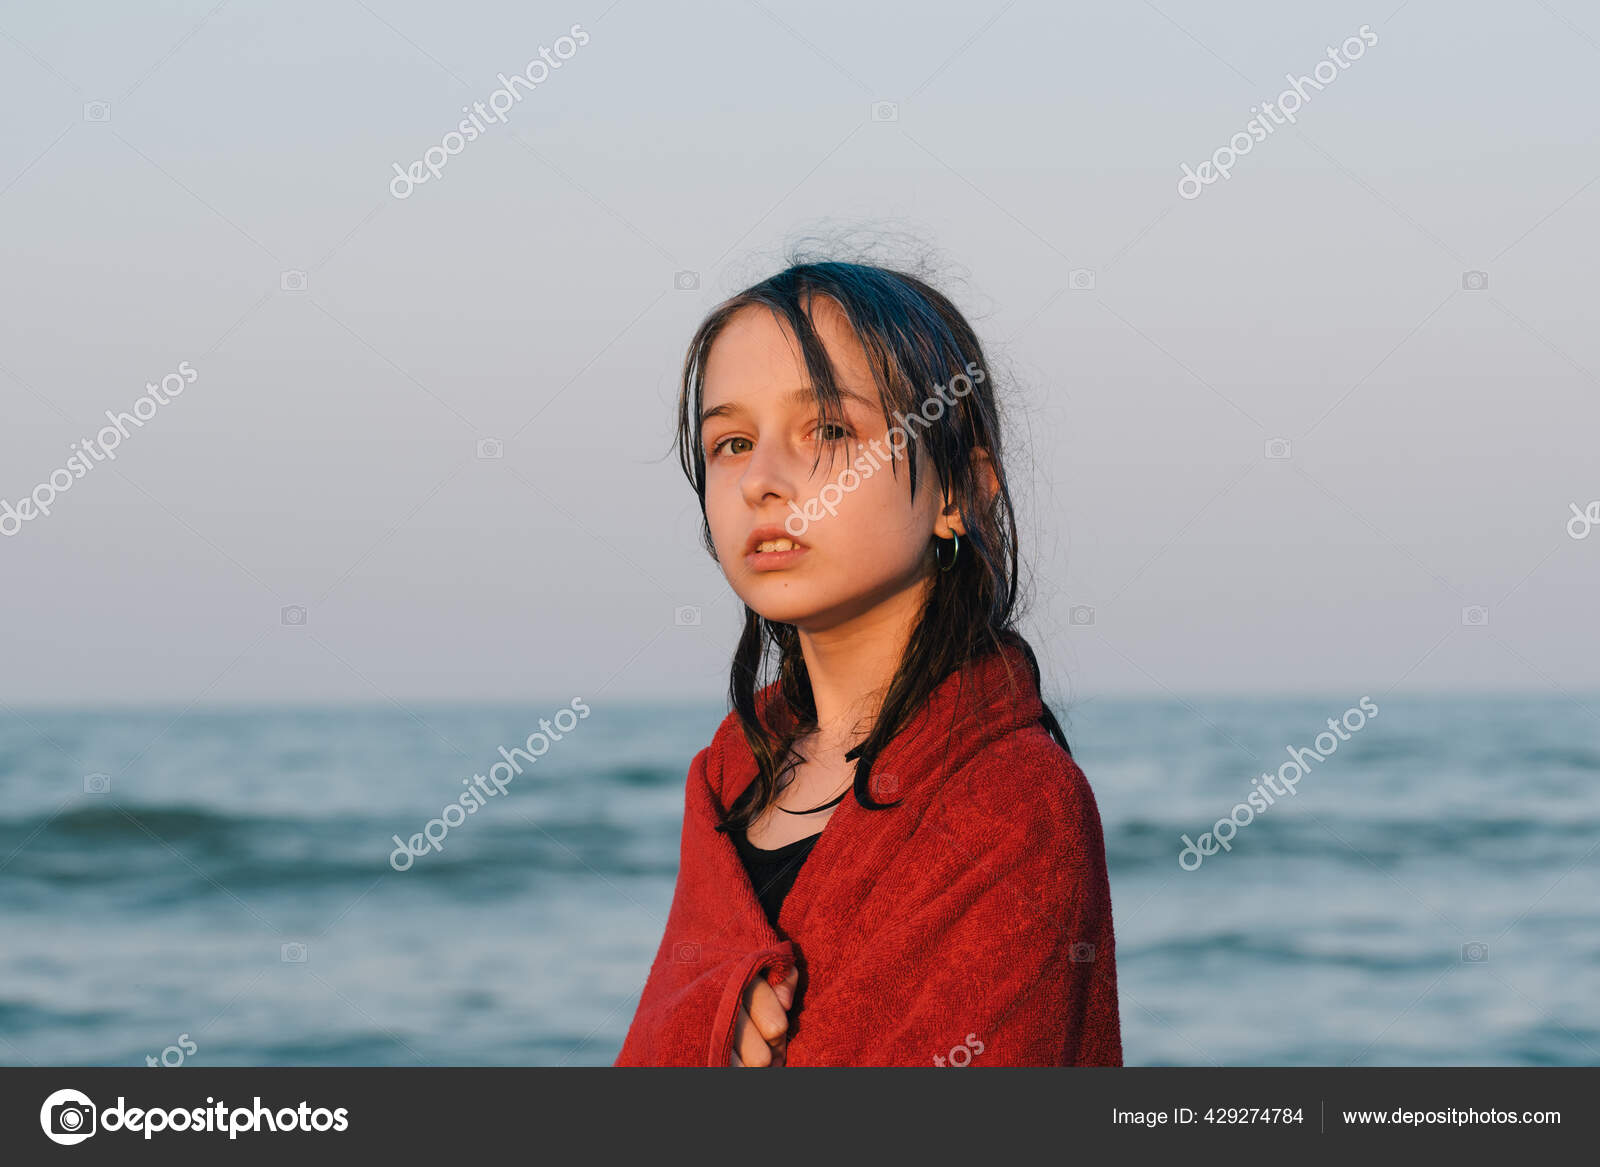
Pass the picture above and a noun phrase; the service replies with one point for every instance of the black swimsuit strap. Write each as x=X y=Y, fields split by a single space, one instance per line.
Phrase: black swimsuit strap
x=815 y=809
x=850 y=756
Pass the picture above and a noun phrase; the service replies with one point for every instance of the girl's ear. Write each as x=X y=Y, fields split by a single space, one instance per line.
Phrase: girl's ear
x=949 y=519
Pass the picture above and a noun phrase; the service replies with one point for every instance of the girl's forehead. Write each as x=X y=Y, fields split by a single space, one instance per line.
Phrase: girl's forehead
x=752 y=343
x=756 y=354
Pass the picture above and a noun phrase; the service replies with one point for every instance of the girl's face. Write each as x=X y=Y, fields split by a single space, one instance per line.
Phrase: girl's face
x=859 y=540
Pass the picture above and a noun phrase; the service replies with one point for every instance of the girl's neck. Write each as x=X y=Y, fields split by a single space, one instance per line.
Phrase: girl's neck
x=852 y=664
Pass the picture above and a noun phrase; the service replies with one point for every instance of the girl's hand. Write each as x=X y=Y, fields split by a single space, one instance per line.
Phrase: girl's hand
x=761 y=1031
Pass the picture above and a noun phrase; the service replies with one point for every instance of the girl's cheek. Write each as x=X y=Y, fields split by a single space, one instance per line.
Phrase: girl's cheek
x=720 y=527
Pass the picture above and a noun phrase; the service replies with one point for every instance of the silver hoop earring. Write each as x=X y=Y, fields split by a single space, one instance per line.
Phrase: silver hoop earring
x=953 y=554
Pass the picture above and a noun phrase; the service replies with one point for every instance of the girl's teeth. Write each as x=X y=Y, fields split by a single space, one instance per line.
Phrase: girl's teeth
x=776 y=545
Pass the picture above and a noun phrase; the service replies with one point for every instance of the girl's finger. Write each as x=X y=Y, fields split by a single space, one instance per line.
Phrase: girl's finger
x=786 y=988
x=753 y=1049
x=768 y=1013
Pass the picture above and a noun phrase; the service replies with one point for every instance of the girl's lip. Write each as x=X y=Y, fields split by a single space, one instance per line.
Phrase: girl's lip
x=774 y=560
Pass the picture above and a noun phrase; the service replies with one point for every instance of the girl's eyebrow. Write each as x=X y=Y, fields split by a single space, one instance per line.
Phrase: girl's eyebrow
x=793 y=397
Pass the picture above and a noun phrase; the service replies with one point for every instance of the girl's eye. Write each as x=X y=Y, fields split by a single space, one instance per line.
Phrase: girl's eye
x=825 y=431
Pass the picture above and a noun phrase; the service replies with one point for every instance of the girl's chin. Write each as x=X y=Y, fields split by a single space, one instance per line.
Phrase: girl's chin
x=779 y=613
x=765 y=600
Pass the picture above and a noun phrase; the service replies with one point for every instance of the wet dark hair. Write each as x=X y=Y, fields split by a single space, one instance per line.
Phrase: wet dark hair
x=916 y=342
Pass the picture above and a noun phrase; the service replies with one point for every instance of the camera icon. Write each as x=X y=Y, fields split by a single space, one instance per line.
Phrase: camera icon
x=1081 y=279
x=686 y=953
x=1080 y=615
x=885 y=111
x=686 y=281
x=1475 y=953
x=293 y=952
x=294 y=616
x=687 y=616
x=97 y=111
x=71 y=1122
x=490 y=448
x=1081 y=952
x=1475 y=616
x=1278 y=449
x=884 y=786
x=292 y=281
x=97 y=783
x=1475 y=281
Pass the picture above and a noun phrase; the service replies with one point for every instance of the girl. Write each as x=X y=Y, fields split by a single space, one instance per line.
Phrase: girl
x=889 y=856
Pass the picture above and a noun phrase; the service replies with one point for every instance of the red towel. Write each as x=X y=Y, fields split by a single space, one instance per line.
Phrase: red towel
x=969 y=925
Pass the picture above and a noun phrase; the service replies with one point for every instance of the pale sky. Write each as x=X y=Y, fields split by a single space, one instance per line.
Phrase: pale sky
x=326 y=455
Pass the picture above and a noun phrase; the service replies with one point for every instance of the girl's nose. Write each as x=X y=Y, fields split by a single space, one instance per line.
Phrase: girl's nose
x=768 y=473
